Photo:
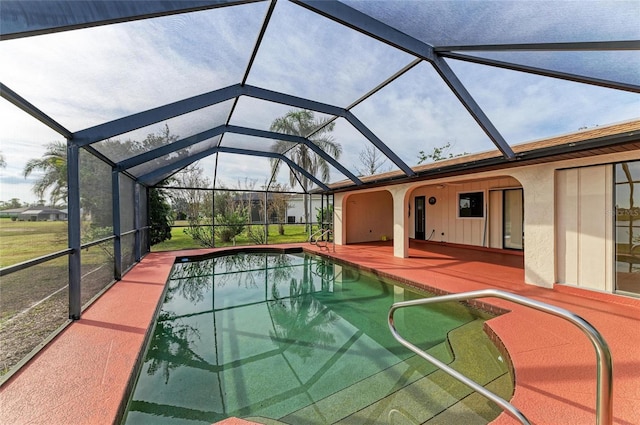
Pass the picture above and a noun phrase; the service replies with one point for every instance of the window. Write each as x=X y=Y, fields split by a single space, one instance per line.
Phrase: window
x=471 y=205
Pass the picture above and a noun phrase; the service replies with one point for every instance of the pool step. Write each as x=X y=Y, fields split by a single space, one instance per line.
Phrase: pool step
x=474 y=409
x=415 y=398
x=265 y=421
x=358 y=396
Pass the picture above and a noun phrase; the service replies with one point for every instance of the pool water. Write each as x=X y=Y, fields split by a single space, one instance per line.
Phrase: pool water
x=297 y=339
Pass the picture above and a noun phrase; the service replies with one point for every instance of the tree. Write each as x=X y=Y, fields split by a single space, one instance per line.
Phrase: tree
x=303 y=123
x=3 y=163
x=372 y=161
x=189 y=201
x=95 y=175
x=53 y=166
x=11 y=204
x=279 y=204
x=160 y=216
x=438 y=154
x=324 y=216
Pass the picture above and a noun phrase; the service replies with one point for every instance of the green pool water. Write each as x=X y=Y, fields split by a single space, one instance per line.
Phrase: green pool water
x=297 y=339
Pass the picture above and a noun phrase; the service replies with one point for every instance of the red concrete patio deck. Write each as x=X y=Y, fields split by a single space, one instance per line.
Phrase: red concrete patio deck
x=82 y=376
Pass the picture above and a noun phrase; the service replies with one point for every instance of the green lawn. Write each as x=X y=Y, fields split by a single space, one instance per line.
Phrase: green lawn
x=293 y=233
x=35 y=300
x=25 y=240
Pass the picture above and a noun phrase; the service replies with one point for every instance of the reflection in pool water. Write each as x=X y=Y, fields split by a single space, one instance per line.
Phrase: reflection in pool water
x=293 y=338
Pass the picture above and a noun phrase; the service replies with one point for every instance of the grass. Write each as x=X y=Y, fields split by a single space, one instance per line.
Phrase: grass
x=35 y=300
x=25 y=240
x=293 y=233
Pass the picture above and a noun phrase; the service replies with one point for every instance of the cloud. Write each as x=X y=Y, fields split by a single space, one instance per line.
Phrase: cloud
x=309 y=56
x=86 y=77
x=525 y=107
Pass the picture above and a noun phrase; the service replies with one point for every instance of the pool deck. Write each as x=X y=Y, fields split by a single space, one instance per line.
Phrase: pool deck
x=82 y=375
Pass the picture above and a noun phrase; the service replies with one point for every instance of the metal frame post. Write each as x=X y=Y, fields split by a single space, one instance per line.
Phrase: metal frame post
x=117 y=243
x=147 y=224
x=136 y=220
x=322 y=213
x=266 y=217
x=75 y=263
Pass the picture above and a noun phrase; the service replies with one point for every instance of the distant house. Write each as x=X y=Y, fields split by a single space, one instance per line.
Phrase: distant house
x=295 y=212
x=42 y=214
x=13 y=212
x=255 y=202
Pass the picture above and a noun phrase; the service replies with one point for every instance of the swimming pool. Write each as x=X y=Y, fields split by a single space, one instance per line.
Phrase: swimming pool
x=298 y=339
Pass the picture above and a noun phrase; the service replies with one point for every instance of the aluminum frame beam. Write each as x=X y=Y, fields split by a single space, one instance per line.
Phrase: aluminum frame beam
x=578 y=46
x=324 y=108
x=25 y=18
x=473 y=108
x=208 y=134
x=356 y=20
x=274 y=155
x=371 y=92
x=152 y=116
x=170 y=148
x=365 y=24
x=30 y=109
x=295 y=139
x=142 y=119
x=170 y=168
x=161 y=173
x=545 y=72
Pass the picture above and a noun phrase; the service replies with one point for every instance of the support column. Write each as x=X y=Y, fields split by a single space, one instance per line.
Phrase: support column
x=338 y=218
x=538 y=184
x=266 y=217
x=73 y=197
x=400 y=222
x=136 y=221
x=117 y=246
x=147 y=247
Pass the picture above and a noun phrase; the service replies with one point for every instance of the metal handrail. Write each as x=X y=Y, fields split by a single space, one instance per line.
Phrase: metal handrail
x=320 y=234
x=604 y=401
x=317 y=232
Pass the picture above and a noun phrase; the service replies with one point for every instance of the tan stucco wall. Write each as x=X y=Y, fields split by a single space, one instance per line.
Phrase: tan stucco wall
x=369 y=217
x=541 y=257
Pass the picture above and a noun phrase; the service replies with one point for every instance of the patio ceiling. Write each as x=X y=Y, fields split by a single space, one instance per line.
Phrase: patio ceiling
x=398 y=77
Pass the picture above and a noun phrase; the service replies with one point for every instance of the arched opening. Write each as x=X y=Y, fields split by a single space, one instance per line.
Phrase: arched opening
x=485 y=213
x=369 y=217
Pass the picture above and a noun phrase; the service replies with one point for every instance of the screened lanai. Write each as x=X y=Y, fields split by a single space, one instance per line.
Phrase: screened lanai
x=136 y=94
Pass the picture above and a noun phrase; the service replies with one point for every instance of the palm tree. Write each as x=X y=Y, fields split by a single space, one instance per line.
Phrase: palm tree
x=302 y=123
x=53 y=164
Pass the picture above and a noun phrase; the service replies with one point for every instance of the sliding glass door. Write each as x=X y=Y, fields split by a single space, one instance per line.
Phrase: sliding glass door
x=513 y=236
x=627 y=226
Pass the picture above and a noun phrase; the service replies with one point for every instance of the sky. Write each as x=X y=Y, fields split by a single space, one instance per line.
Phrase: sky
x=82 y=78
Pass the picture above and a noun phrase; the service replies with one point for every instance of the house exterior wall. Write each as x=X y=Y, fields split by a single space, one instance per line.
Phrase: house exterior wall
x=296 y=207
x=547 y=258
x=370 y=217
x=442 y=221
